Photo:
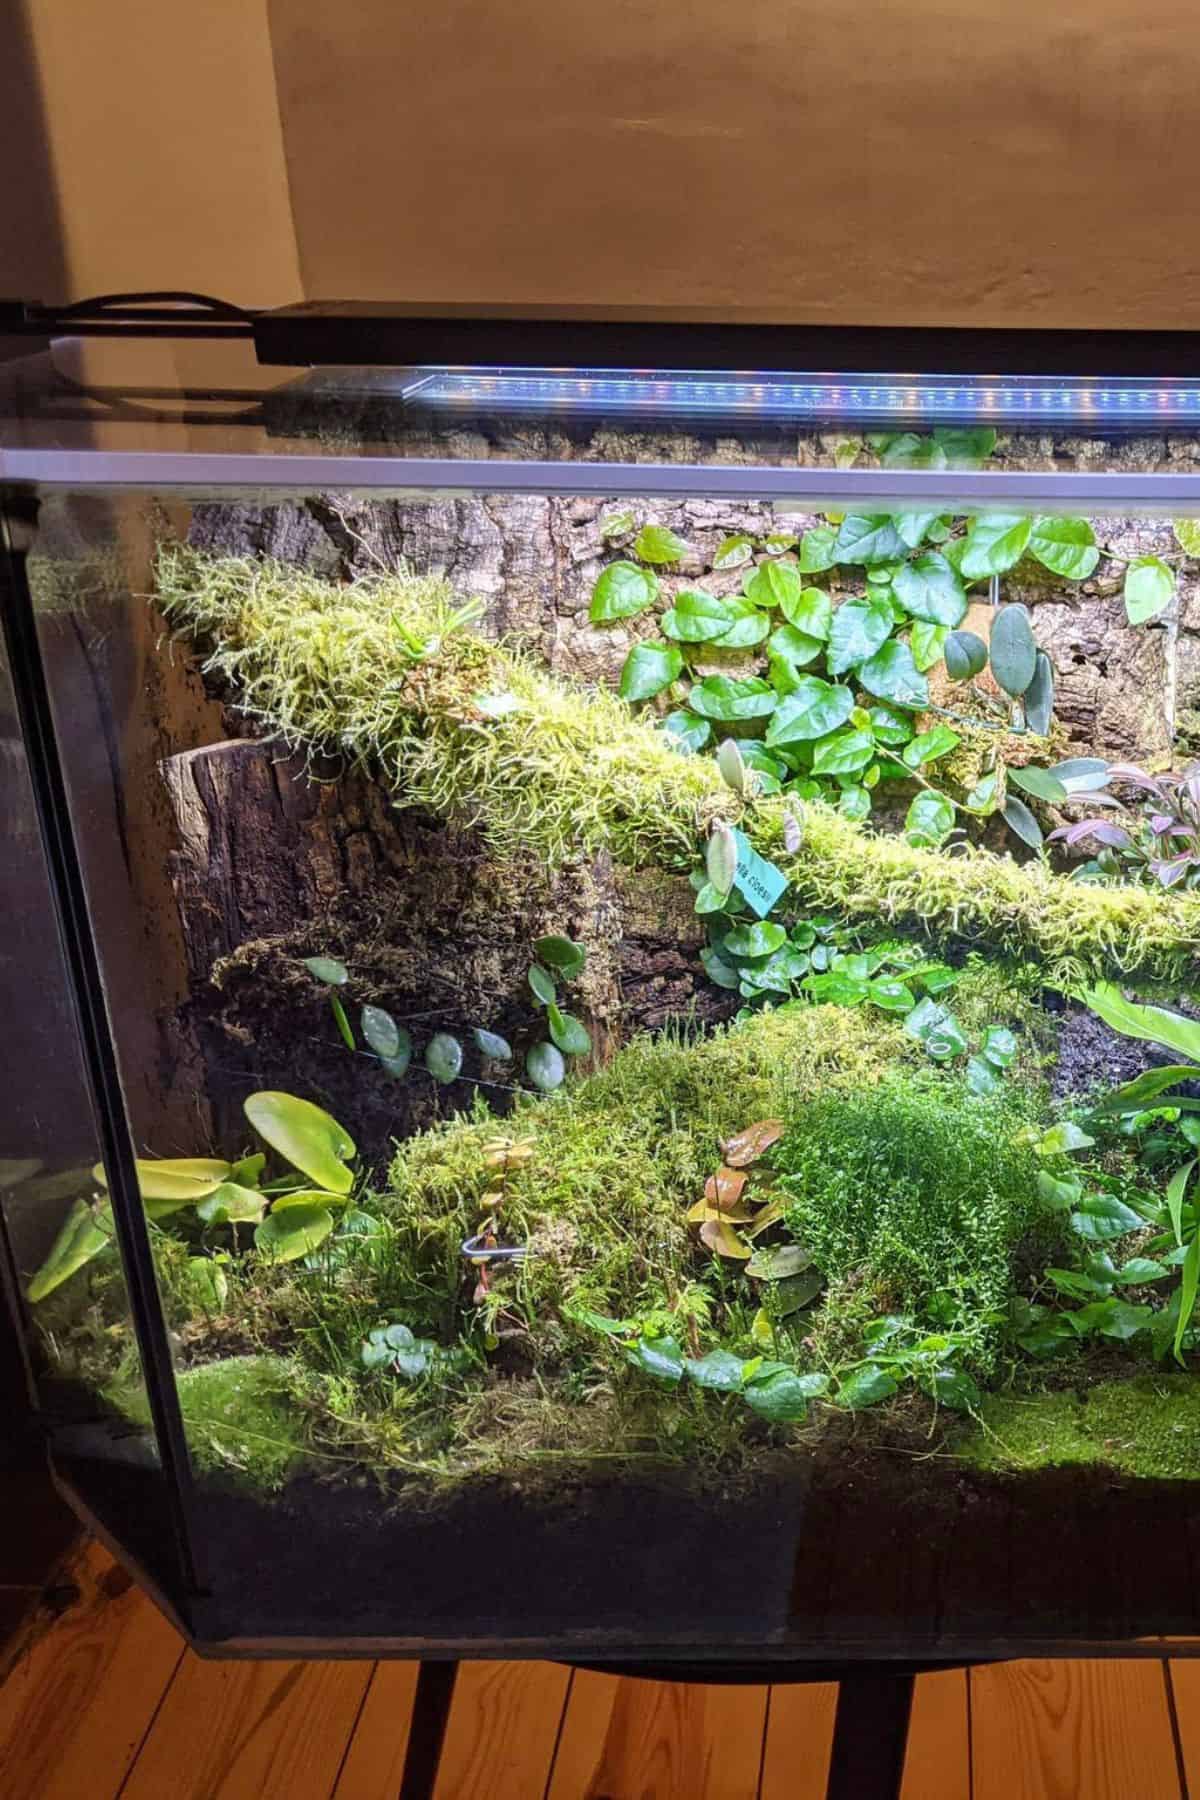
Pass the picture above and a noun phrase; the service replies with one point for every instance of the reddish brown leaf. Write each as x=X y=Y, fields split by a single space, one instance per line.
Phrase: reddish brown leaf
x=753 y=1142
x=724 y=1189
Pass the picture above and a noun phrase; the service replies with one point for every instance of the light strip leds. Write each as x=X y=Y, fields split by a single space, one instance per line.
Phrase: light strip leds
x=1015 y=401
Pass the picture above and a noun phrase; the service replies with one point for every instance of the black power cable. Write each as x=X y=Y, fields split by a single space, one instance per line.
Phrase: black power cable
x=165 y=312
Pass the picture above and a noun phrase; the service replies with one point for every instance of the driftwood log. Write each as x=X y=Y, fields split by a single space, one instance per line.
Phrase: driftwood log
x=276 y=862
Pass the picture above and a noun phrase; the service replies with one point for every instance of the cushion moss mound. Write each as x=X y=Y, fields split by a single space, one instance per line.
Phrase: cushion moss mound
x=1147 y=1426
x=477 y=731
x=918 y=1189
x=244 y=1417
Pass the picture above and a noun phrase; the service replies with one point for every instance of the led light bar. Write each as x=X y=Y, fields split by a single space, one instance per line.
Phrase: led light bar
x=1016 y=402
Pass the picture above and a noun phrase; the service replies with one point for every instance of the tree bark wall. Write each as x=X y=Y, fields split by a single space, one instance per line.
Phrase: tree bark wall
x=276 y=863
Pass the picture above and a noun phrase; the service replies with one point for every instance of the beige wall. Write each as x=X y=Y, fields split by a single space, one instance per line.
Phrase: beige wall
x=926 y=161
x=942 y=161
x=162 y=162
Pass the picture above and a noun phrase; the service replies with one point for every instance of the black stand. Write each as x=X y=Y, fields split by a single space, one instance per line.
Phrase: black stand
x=870 y=1731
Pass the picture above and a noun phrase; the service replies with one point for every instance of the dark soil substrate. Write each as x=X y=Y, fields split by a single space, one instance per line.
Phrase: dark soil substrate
x=1091 y=1055
x=825 y=1554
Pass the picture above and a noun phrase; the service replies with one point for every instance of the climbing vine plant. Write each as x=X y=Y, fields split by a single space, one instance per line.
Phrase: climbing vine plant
x=838 y=631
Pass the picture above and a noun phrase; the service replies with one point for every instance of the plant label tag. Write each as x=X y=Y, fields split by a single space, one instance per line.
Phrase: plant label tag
x=758 y=881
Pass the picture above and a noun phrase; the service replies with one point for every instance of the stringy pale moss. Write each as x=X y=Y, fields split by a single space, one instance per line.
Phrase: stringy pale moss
x=477 y=731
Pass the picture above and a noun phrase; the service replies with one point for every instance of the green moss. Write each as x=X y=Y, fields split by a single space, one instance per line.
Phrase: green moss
x=916 y=1189
x=245 y=1416
x=1148 y=1426
x=558 y=770
x=616 y=1159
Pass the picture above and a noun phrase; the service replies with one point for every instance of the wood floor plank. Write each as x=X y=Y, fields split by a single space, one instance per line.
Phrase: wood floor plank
x=502 y=1730
x=77 y=1704
x=375 y=1760
x=655 y=1740
x=1062 y=1730
x=937 y=1764
x=250 y=1731
x=1185 y=1684
x=799 y=1739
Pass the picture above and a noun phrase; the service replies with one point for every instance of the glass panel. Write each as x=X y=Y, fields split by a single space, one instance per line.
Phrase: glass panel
x=72 y=1298
x=709 y=1230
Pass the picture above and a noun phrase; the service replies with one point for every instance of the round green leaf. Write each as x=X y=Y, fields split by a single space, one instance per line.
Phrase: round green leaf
x=772 y=585
x=999 y=1045
x=859 y=628
x=649 y=668
x=306 y=1135
x=865 y=1386
x=492 y=1045
x=687 y=733
x=180 y=1180
x=398 y=1064
x=929 y=746
x=1149 y=587
x=541 y=984
x=617 y=524
x=780 y=1397
x=660 y=1357
x=1013 y=650
x=561 y=953
x=965 y=655
x=696 y=617
x=1187 y=535
x=1040 y=783
x=914 y=526
x=929 y=819
x=814 y=710
x=757 y=939
x=732 y=552
x=868 y=538
x=815 y=553
x=721 y=698
x=231 y=1204
x=843 y=753
x=720 y=1369
x=327 y=969
x=622 y=590
x=1067 y=546
x=207 y=1283
x=545 y=1067
x=891 y=727
x=908 y=451
x=928 y=643
x=287 y=1234
x=656 y=544
x=443 y=1057
x=966 y=447
x=811 y=612
x=571 y=1037
x=892 y=674
x=929 y=588
x=380 y=1031
x=747 y=627
x=994 y=543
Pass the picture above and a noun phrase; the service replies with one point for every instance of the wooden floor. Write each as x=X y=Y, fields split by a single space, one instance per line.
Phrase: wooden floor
x=106 y=1702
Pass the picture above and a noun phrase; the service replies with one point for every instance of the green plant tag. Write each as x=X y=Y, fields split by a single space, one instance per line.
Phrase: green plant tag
x=758 y=881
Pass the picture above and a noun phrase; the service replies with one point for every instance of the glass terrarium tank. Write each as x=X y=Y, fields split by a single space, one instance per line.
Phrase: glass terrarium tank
x=602 y=990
